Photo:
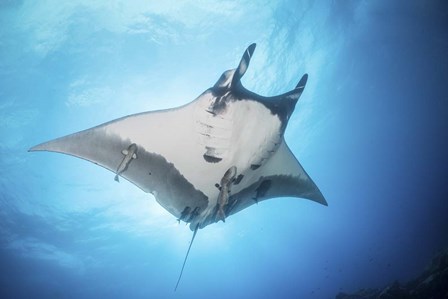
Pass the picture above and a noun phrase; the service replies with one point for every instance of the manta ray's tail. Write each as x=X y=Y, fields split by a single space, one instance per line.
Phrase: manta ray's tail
x=116 y=178
x=185 y=260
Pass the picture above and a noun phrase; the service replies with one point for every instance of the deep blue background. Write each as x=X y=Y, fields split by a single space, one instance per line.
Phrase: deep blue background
x=370 y=129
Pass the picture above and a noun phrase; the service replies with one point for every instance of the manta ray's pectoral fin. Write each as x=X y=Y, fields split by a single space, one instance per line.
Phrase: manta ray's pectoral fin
x=281 y=176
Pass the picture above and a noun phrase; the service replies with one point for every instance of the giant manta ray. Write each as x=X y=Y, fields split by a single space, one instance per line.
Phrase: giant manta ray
x=206 y=160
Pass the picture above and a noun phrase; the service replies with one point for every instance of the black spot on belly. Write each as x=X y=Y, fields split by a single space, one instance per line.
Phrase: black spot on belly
x=262 y=189
x=238 y=179
x=210 y=155
x=211 y=159
x=255 y=166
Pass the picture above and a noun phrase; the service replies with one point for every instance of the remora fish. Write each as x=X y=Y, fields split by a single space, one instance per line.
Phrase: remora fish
x=129 y=154
x=223 y=197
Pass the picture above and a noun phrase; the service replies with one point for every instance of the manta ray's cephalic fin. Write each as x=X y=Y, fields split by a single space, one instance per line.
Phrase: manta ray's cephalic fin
x=186 y=256
x=243 y=65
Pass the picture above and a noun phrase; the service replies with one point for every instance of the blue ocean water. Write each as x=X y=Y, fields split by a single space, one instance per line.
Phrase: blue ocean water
x=371 y=129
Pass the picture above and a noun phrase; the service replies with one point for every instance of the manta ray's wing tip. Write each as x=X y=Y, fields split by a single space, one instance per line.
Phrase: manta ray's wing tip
x=48 y=146
x=321 y=199
x=45 y=146
x=35 y=148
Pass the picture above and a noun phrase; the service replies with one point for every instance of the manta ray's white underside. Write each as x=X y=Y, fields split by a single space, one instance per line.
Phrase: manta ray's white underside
x=182 y=155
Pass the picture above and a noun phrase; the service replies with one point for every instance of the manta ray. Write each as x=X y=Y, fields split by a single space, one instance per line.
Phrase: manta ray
x=206 y=160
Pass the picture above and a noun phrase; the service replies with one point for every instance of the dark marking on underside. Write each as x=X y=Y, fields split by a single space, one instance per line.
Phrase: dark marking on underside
x=219 y=105
x=210 y=155
x=255 y=166
x=238 y=179
x=211 y=159
x=211 y=112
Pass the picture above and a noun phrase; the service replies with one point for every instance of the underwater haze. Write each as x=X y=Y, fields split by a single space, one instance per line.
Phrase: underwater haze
x=371 y=129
